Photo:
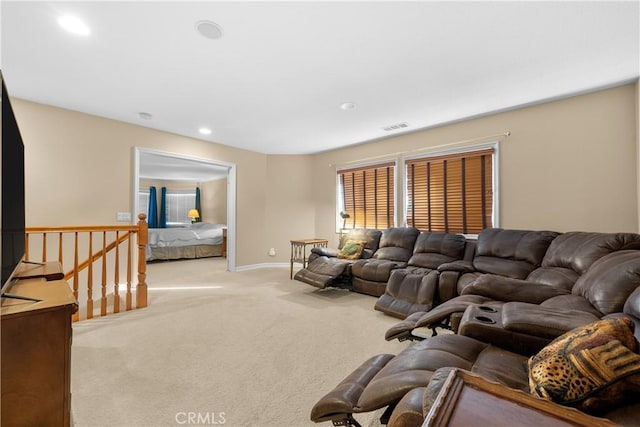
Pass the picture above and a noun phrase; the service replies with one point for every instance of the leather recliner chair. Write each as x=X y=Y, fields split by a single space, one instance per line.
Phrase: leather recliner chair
x=326 y=269
x=417 y=286
x=488 y=280
x=370 y=276
x=506 y=368
x=383 y=380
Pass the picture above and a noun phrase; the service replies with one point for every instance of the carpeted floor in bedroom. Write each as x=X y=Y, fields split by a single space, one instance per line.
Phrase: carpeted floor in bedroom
x=251 y=348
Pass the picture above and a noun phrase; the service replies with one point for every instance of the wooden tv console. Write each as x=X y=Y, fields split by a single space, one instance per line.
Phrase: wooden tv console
x=35 y=350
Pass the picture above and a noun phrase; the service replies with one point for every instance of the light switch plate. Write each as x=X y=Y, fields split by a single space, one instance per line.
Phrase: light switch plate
x=123 y=216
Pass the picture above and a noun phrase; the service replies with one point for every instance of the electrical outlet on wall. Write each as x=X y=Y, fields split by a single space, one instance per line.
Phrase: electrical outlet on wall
x=123 y=217
x=272 y=252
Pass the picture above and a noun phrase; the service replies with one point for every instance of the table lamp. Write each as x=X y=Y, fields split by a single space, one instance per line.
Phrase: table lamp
x=344 y=217
x=194 y=215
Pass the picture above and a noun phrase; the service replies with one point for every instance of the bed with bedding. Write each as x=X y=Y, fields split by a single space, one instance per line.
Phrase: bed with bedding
x=198 y=240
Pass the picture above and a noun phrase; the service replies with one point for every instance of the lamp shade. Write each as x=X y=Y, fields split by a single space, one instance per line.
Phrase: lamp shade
x=193 y=213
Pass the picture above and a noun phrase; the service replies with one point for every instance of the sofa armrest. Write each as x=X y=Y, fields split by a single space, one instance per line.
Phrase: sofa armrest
x=508 y=289
x=539 y=321
x=328 y=252
x=415 y=405
x=460 y=266
x=447 y=286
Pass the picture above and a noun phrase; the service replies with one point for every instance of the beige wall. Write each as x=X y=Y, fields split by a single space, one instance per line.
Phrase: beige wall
x=290 y=203
x=79 y=170
x=213 y=201
x=568 y=165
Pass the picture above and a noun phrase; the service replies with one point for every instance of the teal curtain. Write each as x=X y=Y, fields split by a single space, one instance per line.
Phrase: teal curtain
x=198 y=204
x=163 y=208
x=152 y=212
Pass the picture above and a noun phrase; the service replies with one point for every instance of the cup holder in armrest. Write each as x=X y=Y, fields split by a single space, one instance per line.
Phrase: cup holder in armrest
x=487 y=309
x=484 y=319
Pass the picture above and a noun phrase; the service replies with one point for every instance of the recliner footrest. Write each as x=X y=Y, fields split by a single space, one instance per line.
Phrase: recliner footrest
x=342 y=401
x=436 y=317
x=322 y=272
x=402 y=330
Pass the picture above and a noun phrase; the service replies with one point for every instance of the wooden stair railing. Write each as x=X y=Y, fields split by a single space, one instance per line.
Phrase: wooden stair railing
x=111 y=239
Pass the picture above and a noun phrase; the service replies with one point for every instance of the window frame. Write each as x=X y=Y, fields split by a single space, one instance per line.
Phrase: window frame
x=495 y=187
x=372 y=164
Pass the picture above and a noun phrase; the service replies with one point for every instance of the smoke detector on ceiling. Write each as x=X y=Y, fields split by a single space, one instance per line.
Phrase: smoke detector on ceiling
x=395 y=127
x=209 y=29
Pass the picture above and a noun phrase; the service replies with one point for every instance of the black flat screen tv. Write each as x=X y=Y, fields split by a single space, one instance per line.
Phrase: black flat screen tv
x=13 y=195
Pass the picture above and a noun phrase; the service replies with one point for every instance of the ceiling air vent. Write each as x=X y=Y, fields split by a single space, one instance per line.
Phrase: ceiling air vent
x=395 y=127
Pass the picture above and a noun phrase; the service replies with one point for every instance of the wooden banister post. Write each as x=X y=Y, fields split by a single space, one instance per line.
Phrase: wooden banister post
x=103 y=283
x=44 y=247
x=143 y=237
x=26 y=246
x=76 y=315
x=90 y=279
x=116 y=275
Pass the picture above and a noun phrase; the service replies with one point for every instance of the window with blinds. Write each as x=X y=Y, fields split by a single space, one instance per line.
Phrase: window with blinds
x=179 y=202
x=451 y=193
x=367 y=195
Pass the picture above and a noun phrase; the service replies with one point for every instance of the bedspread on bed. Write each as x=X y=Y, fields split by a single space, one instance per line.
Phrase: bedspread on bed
x=200 y=233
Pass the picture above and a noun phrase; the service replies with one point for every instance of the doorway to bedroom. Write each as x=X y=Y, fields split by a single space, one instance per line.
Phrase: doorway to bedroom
x=181 y=183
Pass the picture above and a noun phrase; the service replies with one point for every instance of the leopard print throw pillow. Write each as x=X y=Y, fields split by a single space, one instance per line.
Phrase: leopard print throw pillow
x=593 y=367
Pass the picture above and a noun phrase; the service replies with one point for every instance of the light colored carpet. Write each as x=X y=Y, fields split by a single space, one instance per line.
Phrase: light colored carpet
x=251 y=348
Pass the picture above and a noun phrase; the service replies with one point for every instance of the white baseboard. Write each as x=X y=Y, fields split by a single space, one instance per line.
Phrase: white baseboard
x=263 y=265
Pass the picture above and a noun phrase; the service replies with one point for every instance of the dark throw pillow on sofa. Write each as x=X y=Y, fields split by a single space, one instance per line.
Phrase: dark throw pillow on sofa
x=591 y=368
x=352 y=249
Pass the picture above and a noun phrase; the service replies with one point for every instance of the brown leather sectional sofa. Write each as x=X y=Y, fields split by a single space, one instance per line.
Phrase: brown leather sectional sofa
x=396 y=248
x=508 y=295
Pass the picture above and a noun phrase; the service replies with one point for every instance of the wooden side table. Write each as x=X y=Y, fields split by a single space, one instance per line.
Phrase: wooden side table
x=299 y=251
x=469 y=400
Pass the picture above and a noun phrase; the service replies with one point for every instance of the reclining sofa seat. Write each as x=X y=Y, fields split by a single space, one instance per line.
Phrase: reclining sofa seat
x=415 y=405
x=326 y=269
x=526 y=327
x=370 y=276
x=383 y=380
x=417 y=286
x=568 y=257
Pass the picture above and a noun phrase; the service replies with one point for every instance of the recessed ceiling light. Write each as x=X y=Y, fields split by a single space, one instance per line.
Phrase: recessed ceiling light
x=145 y=116
x=74 y=25
x=205 y=131
x=348 y=106
x=209 y=29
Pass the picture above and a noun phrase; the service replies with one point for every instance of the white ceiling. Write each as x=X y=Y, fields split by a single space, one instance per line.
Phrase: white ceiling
x=275 y=81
